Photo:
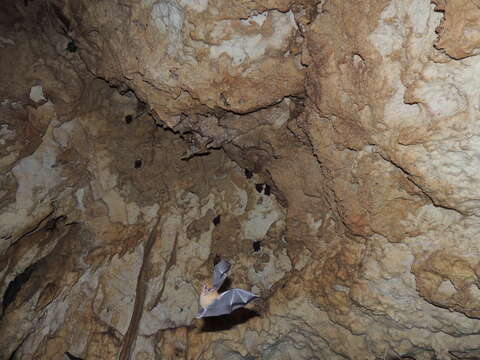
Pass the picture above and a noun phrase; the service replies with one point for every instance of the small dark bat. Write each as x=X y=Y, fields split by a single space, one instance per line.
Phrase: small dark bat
x=215 y=304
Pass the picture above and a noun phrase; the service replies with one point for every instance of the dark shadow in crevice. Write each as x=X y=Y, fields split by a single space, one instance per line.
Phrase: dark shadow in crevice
x=16 y=285
x=226 y=322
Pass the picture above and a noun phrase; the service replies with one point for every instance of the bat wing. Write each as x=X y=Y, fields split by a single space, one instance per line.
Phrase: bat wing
x=220 y=273
x=227 y=302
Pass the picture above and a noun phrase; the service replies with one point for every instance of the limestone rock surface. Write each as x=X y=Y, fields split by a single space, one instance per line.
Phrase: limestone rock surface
x=328 y=149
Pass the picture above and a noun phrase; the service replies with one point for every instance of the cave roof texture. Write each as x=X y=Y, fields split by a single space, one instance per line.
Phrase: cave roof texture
x=328 y=149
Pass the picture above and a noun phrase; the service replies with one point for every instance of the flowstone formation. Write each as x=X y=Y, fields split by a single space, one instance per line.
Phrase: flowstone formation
x=327 y=149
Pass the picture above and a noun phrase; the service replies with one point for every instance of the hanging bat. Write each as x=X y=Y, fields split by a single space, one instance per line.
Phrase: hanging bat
x=215 y=304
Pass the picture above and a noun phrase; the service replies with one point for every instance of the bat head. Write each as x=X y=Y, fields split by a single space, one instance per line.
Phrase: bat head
x=207 y=288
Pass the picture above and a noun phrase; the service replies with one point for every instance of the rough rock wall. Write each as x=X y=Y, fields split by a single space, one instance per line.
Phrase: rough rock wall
x=185 y=56
x=358 y=115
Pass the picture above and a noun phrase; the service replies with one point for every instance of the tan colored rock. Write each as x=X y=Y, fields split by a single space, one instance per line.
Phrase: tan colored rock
x=390 y=118
x=182 y=57
x=327 y=150
x=458 y=33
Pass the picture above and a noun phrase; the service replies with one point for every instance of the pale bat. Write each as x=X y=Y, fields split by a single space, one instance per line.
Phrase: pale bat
x=216 y=304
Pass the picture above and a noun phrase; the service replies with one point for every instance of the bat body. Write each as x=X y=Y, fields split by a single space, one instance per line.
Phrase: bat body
x=215 y=304
x=208 y=297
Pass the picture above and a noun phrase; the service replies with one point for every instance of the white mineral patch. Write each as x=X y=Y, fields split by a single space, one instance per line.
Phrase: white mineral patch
x=282 y=117
x=388 y=36
x=79 y=194
x=5 y=41
x=105 y=180
x=416 y=10
x=341 y=288
x=258 y=19
x=475 y=291
x=16 y=105
x=399 y=114
x=447 y=110
x=260 y=218
x=104 y=187
x=5 y=134
x=11 y=103
x=35 y=178
x=314 y=224
x=252 y=47
x=195 y=5
x=240 y=48
x=36 y=93
x=447 y=288
x=150 y=212
x=168 y=17
x=442 y=99
x=63 y=133
x=117 y=207
x=133 y=212
x=392 y=30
